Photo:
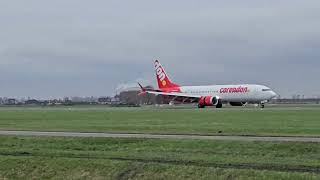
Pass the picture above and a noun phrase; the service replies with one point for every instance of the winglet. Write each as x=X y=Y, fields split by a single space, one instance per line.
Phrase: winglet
x=143 y=90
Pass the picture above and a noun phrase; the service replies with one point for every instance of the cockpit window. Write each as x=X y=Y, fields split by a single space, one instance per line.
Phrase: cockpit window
x=266 y=89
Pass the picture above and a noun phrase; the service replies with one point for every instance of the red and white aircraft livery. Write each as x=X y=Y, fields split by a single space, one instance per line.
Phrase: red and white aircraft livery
x=214 y=95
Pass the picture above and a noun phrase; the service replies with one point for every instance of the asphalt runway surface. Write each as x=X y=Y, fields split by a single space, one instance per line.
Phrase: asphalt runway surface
x=163 y=136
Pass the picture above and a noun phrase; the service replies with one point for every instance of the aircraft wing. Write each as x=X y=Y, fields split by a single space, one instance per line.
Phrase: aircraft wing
x=182 y=97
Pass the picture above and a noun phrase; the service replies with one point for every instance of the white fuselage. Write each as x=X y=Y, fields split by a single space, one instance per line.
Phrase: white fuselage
x=232 y=93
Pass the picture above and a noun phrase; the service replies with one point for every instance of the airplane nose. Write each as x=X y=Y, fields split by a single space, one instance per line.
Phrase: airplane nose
x=273 y=94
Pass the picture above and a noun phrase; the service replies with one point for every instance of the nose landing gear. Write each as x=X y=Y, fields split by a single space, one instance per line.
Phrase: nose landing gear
x=262 y=104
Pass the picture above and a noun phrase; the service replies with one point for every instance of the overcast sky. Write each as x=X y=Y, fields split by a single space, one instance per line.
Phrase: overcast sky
x=56 y=48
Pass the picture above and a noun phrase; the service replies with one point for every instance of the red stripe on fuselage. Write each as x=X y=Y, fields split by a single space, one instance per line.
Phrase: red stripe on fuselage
x=172 y=89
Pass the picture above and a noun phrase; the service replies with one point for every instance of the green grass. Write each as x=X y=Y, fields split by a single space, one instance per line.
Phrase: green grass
x=120 y=158
x=108 y=158
x=290 y=121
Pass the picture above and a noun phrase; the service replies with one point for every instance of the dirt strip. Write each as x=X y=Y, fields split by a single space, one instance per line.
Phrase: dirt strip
x=163 y=136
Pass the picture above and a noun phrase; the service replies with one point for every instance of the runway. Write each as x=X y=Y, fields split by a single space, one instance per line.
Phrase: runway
x=163 y=136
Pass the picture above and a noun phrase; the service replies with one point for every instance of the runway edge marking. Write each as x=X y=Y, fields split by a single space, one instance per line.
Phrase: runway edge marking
x=163 y=136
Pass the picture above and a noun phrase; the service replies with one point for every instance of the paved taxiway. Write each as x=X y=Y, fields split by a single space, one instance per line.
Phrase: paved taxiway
x=162 y=136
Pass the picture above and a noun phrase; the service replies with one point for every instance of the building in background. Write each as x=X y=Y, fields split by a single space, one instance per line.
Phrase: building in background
x=11 y=101
x=104 y=100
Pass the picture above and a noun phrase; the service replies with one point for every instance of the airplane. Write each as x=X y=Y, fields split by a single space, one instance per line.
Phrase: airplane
x=213 y=95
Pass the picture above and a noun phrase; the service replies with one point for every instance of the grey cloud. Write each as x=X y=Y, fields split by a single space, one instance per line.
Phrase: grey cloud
x=103 y=44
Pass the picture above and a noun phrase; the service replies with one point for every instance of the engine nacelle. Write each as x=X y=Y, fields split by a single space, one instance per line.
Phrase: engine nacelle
x=237 y=103
x=210 y=101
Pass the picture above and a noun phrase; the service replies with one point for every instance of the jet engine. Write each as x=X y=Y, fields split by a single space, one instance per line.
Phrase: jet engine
x=237 y=103
x=210 y=101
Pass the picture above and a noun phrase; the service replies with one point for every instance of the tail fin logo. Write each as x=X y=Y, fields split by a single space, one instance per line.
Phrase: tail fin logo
x=163 y=79
x=160 y=73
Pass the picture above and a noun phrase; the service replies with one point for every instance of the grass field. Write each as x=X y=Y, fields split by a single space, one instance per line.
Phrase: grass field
x=120 y=158
x=290 y=121
x=105 y=158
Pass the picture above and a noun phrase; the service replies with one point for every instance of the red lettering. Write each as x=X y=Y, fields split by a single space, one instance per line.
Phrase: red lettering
x=239 y=89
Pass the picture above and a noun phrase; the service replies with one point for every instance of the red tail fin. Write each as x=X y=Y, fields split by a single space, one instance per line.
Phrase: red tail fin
x=163 y=80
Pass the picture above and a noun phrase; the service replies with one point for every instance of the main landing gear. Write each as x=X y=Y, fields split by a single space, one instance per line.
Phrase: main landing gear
x=219 y=105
